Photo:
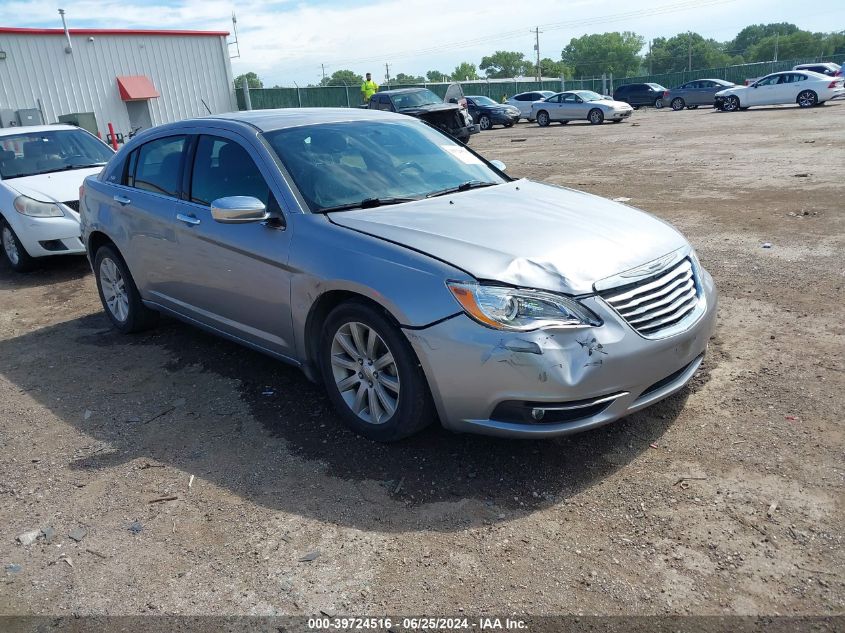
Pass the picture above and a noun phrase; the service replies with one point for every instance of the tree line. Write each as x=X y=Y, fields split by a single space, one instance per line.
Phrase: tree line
x=625 y=54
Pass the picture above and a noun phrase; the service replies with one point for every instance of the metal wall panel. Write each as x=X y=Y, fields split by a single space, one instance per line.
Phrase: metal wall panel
x=184 y=68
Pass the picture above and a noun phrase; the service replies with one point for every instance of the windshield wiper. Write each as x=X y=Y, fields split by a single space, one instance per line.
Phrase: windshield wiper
x=368 y=203
x=464 y=186
x=57 y=169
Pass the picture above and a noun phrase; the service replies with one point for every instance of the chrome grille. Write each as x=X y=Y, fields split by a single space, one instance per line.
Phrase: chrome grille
x=656 y=304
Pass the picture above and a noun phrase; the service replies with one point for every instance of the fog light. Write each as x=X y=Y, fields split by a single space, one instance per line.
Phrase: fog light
x=538 y=414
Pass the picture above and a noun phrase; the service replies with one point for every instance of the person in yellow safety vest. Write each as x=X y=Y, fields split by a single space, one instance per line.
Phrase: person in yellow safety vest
x=368 y=88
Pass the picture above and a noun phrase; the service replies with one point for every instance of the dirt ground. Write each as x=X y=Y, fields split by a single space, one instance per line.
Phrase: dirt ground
x=724 y=499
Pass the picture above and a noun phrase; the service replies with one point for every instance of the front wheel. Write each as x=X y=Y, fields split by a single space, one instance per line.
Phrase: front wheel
x=731 y=104
x=16 y=255
x=677 y=104
x=484 y=122
x=119 y=294
x=596 y=116
x=807 y=99
x=543 y=119
x=371 y=374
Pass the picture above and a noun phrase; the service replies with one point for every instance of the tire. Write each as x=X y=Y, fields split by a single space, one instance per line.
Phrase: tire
x=13 y=250
x=564 y=122
x=484 y=122
x=355 y=338
x=678 y=104
x=119 y=294
x=695 y=107
x=636 y=107
x=509 y=124
x=658 y=103
x=730 y=104
x=807 y=99
x=595 y=116
x=543 y=118
x=617 y=120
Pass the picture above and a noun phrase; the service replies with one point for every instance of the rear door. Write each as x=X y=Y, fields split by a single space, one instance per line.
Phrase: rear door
x=235 y=276
x=143 y=209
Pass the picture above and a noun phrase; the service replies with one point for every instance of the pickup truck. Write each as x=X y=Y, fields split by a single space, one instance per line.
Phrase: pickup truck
x=448 y=115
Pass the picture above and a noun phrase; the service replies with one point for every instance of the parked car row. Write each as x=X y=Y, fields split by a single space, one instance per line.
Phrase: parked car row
x=385 y=259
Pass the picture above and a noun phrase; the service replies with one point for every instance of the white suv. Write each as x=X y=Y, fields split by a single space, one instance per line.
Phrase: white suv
x=41 y=170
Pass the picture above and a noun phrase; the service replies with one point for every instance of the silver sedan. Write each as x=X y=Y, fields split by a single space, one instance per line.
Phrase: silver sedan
x=579 y=105
x=400 y=269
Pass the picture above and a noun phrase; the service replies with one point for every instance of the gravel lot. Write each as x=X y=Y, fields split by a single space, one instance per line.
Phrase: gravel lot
x=724 y=499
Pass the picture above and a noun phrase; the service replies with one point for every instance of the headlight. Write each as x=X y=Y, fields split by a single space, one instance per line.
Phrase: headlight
x=518 y=309
x=28 y=206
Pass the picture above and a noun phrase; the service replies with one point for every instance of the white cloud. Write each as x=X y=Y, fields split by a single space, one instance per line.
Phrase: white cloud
x=286 y=41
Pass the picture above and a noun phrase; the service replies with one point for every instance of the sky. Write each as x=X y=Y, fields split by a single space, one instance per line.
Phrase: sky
x=289 y=41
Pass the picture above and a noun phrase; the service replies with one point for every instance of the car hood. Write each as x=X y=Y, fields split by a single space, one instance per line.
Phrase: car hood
x=523 y=233
x=612 y=103
x=731 y=90
x=431 y=107
x=59 y=186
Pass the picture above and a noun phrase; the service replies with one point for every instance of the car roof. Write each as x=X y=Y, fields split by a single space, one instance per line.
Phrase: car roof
x=398 y=91
x=269 y=120
x=30 y=129
x=826 y=64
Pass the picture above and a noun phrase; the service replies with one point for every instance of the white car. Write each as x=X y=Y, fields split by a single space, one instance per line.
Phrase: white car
x=523 y=101
x=579 y=105
x=803 y=87
x=41 y=170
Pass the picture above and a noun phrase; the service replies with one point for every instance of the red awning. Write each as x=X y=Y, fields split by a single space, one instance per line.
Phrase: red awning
x=136 y=88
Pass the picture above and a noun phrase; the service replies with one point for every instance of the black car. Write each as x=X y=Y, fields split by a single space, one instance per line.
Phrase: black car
x=423 y=104
x=488 y=113
x=640 y=95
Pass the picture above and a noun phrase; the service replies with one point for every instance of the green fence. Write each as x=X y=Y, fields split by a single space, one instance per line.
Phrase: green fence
x=350 y=96
x=735 y=74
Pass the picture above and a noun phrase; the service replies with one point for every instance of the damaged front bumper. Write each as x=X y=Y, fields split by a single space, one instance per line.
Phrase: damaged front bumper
x=557 y=381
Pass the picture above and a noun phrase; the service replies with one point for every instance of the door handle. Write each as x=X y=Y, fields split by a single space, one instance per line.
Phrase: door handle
x=187 y=219
x=122 y=200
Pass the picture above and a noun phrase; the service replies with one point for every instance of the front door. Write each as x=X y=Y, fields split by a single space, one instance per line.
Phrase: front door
x=572 y=107
x=235 y=276
x=763 y=92
x=139 y=115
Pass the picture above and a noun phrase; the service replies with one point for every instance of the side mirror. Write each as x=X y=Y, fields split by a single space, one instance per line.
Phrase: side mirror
x=238 y=209
x=499 y=165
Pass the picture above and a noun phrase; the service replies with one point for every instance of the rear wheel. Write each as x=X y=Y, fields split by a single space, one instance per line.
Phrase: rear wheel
x=119 y=294
x=484 y=122
x=658 y=103
x=807 y=99
x=16 y=254
x=372 y=375
x=543 y=119
x=596 y=116
x=678 y=104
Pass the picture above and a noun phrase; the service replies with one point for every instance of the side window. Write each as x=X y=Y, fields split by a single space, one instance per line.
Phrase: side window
x=555 y=99
x=128 y=177
x=570 y=98
x=224 y=168
x=384 y=103
x=156 y=167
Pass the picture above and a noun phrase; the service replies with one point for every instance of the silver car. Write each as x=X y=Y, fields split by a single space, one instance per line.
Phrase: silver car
x=701 y=92
x=405 y=272
x=579 y=105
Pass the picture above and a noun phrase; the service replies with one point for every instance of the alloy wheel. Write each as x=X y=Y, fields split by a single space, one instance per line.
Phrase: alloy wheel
x=484 y=123
x=730 y=104
x=365 y=372
x=543 y=119
x=114 y=290
x=596 y=117
x=677 y=104
x=10 y=247
x=807 y=99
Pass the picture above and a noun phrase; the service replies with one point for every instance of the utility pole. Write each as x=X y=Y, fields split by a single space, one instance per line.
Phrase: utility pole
x=537 y=48
x=323 y=67
x=650 y=65
x=777 y=37
x=387 y=73
x=689 y=52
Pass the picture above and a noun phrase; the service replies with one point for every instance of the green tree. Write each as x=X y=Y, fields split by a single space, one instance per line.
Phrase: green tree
x=753 y=34
x=435 y=76
x=551 y=68
x=506 y=64
x=592 y=55
x=342 y=78
x=793 y=46
x=673 y=54
x=465 y=72
x=402 y=78
x=252 y=80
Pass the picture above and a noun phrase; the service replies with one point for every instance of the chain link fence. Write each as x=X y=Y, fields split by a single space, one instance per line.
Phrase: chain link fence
x=350 y=96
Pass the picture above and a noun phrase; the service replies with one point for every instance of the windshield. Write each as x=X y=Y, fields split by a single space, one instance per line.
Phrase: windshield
x=415 y=99
x=589 y=95
x=486 y=101
x=32 y=153
x=349 y=163
x=657 y=87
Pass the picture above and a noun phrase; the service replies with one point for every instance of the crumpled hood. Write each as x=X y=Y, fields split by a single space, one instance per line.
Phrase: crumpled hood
x=59 y=186
x=524 y=233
